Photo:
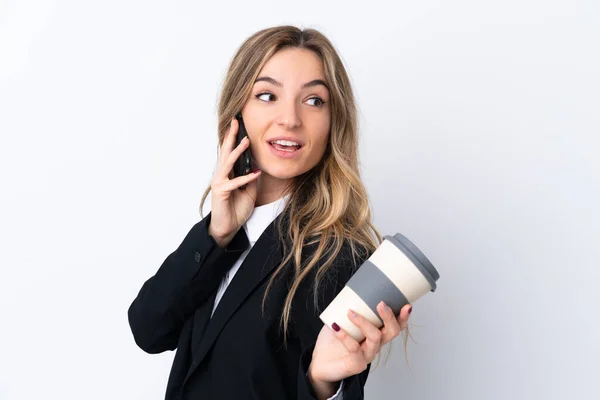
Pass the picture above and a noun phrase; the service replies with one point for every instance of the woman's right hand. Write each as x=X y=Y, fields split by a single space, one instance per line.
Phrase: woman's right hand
x=230 y=207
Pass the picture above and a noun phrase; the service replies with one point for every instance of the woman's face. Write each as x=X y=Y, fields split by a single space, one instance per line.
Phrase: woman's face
x=289 y=103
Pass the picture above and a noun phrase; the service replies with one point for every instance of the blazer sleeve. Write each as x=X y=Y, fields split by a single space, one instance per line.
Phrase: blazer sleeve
x=185 y=279
x=307 y=324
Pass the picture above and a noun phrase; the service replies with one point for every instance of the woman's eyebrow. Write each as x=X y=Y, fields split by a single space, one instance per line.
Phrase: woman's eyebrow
x=314 y=82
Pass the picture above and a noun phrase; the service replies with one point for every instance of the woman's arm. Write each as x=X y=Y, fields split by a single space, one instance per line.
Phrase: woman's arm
x=307 y=325
x=184 y=280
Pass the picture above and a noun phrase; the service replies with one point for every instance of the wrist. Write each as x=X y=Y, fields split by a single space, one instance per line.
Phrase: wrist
x=323 y=389
x=221 y=240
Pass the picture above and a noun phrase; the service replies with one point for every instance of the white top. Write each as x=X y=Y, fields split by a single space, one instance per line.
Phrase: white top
x=259 y=220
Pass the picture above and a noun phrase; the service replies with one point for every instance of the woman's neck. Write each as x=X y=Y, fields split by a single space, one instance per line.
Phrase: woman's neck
x=269 y=189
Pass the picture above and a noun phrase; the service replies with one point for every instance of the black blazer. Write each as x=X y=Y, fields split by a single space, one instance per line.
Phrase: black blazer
x=239 y=352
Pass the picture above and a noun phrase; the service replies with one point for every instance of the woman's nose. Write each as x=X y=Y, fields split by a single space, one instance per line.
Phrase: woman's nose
x=289 y=117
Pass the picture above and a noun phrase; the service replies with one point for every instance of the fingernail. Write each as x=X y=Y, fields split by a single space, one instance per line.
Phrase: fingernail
x=354 y=314
x=335 y=327
x=410 y=310
x=256 y=171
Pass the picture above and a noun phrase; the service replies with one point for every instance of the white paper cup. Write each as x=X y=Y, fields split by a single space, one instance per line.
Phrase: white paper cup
x=397 y=273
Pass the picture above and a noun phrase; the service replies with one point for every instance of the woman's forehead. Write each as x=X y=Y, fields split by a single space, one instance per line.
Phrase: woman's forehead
x=293 y=67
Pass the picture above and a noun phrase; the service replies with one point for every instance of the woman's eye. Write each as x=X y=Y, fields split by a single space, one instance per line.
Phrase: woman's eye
x=268 y=97
x=318 y=101
x=264 y=96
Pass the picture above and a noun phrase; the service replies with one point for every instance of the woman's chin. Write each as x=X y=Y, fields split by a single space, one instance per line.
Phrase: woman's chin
x=281 y=173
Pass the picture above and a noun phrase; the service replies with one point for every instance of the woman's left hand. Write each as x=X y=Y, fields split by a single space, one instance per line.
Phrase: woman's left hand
x=337 y=355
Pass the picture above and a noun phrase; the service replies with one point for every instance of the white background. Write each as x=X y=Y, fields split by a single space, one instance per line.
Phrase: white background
x=480 y=124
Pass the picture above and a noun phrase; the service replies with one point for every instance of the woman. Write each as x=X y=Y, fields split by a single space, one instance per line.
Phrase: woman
x=292 y=233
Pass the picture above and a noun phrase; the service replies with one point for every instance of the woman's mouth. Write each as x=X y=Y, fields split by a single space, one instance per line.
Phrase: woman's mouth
x=285 y=148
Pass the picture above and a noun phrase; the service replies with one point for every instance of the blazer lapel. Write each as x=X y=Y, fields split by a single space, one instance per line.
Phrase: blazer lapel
x=264 y=256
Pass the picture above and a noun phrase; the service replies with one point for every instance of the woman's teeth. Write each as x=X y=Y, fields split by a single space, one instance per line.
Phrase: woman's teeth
x=285 y=145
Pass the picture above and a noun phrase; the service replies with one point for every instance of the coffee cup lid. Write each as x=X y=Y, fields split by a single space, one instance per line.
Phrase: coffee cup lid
x=417 y=257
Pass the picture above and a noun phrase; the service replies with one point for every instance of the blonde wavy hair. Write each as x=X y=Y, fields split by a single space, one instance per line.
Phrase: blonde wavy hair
x=329 y=202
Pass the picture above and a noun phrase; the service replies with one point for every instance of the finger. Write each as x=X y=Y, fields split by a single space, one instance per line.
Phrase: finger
x=348 y=341
x=235 y=154
x=230 y=154
x=391 y=325
x=372 y=334
x=232 y=184
x=356 y=360
x=228 y=141
x=404 y=315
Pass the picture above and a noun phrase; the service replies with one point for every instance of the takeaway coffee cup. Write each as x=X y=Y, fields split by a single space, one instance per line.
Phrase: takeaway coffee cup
x=397 y=273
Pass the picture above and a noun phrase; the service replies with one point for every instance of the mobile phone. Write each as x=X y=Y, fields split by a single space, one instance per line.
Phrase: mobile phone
x=243 y=164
